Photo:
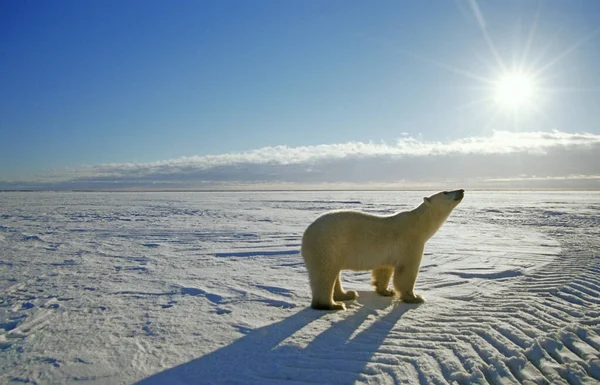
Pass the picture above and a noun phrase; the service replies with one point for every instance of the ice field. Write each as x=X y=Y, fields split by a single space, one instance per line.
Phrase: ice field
x=209 y=288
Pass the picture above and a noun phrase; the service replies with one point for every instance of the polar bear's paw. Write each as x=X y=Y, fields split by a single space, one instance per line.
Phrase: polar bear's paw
x=414 y=298
x=386 y=292
x=346 y=296
x=328 y=306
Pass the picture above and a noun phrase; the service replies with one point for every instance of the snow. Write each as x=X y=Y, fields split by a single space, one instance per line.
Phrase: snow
x=209 y=287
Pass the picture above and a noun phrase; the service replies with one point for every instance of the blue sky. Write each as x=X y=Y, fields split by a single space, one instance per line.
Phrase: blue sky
x=167 y=87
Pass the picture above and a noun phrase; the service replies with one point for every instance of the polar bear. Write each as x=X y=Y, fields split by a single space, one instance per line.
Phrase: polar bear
x=386 y=245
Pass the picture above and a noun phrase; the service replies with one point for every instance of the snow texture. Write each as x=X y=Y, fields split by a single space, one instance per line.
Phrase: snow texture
x=209 y=288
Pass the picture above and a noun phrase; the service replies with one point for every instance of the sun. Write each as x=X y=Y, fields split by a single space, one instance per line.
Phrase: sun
x=514 y=90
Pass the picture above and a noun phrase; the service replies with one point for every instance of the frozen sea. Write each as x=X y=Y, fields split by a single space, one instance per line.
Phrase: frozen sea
x=210 y=288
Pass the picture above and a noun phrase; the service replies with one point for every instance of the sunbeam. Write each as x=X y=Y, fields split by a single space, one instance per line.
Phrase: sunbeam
x=482 y=26
x=530 y=36
x=567 y=52
x=445 y=66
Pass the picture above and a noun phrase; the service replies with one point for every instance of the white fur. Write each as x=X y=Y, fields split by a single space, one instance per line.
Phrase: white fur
x=352 y=240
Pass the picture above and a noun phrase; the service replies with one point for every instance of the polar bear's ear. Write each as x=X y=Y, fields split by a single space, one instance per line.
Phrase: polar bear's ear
x=427 y=200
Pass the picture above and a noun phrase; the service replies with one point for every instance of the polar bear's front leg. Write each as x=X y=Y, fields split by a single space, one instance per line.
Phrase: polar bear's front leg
x=340 y=295
x=405 y=277
x=381 y=280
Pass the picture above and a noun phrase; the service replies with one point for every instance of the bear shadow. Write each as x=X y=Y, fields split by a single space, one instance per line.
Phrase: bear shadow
x=339 y=354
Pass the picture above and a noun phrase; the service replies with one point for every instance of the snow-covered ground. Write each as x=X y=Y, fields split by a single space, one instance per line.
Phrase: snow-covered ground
x=203 y=288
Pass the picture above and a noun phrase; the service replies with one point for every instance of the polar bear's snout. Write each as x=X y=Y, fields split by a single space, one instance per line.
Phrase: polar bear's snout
x=459 y=194
x=456 y=195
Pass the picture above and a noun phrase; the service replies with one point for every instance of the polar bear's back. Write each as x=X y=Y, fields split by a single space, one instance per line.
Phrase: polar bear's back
x=343 y=236
x=347 y=220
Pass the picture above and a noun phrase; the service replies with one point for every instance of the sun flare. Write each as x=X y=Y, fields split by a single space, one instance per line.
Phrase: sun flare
x=514 y=90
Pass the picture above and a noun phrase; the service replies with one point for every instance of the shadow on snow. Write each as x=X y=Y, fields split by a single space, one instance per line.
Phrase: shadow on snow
x=332 y=356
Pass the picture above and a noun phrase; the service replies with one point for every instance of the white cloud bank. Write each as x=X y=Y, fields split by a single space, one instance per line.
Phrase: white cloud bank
x=502 y=160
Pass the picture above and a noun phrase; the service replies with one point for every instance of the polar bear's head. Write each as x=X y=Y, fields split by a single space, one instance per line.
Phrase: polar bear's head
x=435 y=210
x=445 y=201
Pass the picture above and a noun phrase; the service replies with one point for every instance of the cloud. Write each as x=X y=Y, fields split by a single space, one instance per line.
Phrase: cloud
x=503 y=159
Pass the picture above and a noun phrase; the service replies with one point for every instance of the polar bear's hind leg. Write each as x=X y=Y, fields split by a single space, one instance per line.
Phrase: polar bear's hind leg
x=339 y=294
x=381 y=280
